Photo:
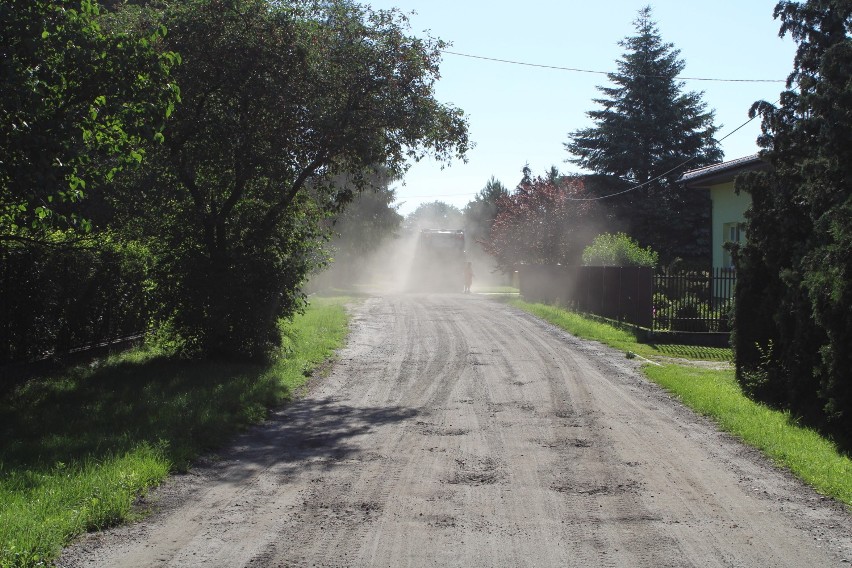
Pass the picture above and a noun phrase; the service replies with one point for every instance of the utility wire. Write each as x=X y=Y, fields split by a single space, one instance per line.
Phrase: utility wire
x=664 y=174
x=577 y=70
x=628 y=190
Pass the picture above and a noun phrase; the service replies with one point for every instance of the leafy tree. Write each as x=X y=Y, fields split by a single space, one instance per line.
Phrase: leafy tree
x=277 y=99
x=480 y=213
x=79 y=101
x=793 y=314
x=76 y=104
x=366 y=223
x=618 y=249
x=434 y=215
x=542 y=222
x=646 y=129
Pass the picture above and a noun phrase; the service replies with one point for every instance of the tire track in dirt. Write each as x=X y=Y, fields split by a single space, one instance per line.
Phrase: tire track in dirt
x=455 y=431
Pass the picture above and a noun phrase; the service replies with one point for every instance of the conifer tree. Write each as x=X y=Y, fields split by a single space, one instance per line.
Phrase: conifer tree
x=793 y=320
x=646 y=128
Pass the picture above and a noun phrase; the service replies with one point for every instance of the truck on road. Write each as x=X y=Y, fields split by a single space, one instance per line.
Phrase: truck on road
x=438 y=264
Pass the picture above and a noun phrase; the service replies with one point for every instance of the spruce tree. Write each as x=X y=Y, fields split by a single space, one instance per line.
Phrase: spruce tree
x=646 y=128
x=793 y=320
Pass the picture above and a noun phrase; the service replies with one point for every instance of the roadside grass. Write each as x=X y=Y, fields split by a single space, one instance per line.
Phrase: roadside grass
x=715 y=393
x=80 y=447
x=804 y=452
x=620 y=339
x=495 y=290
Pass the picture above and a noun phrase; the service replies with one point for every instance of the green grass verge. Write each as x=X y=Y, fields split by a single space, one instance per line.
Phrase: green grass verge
x=509 y=290
x=716 y=394
x=803 y=451
x=78 y=449
x=621 y=339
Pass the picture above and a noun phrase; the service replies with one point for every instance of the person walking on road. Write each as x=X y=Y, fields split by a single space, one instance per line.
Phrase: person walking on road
x=468 y=277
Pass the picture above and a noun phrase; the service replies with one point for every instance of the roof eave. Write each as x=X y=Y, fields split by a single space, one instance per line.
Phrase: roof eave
x=718 y=175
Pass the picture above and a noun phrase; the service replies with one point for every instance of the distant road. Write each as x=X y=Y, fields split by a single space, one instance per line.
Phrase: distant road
x=456 y=431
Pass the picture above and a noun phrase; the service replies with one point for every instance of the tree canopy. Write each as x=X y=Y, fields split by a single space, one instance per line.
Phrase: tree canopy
x=434 y=215
x=77 y=103
x=480 y=213
x=543 y=222
x=277 y=99
x=646 y=131
x=246 y=113
x=793 y=320
x=360 y=230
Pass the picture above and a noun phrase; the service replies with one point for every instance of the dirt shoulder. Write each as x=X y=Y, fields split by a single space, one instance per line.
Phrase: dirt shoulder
x=456 y=431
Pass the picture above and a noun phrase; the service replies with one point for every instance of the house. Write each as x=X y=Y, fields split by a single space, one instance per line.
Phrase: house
x=728 y=213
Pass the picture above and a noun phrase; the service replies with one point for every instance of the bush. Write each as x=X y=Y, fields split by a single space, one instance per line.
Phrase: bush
x=56 y=299
x=618 y=250
x=690 y=315
x=688 y=311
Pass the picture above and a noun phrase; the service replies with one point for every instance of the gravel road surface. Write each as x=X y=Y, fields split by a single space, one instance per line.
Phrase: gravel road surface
x=456 y=431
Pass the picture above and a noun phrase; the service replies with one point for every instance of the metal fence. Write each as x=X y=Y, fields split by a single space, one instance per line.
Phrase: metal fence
x=696 y=302
x=618 y=293
x=693 y=301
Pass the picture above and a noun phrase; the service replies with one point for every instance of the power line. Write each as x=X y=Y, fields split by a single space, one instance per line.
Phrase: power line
x=628 y=190
x=664 y=174
x=577 y=70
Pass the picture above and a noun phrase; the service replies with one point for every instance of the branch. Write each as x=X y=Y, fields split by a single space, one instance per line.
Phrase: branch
x=273 y=215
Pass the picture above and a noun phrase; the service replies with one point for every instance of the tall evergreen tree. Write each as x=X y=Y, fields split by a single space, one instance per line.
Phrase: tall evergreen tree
x=793 y=324
x=646 y=129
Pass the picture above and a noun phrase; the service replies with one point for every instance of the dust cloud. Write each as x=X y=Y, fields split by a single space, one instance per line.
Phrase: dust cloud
x=426 y=256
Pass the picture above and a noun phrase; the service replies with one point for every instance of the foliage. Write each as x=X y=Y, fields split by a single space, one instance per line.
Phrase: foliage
x=646 y=130
x=56 y=299
x=81 y=447
x=542 y=222
x=368 y=222
x=76 y=104
x=618 y=250
x=480 y=213
x=794 y=289
x=434 y=215
x=685 y=311
x=277 y=99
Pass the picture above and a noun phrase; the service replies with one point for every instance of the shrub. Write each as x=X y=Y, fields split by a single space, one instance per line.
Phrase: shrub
x=56 y=299
x=618 y=250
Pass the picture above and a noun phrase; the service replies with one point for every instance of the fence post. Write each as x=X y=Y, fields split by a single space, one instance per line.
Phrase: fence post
x=645 y=297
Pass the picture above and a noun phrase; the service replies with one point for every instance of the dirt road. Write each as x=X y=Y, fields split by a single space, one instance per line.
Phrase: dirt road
x=456 y=431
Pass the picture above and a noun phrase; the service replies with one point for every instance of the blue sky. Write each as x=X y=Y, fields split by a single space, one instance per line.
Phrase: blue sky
x=521 y=114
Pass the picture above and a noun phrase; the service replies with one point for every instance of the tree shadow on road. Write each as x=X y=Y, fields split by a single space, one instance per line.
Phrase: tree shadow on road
x=320 y=433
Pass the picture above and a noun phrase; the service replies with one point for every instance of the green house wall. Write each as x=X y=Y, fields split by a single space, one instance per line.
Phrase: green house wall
x=728 y=207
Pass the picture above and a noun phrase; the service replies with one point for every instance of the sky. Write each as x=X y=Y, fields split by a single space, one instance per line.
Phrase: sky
x=523 y=115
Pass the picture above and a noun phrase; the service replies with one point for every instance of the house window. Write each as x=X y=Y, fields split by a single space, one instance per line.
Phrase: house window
x=731 y=233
